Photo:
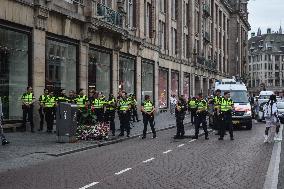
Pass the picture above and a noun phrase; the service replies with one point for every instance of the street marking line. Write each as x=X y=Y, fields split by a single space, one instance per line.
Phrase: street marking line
x=148 y=160
x=89 y=185
x=181 y=145
x=123 y=171
x=192 y=140
x=167 y=151
x=271 y=180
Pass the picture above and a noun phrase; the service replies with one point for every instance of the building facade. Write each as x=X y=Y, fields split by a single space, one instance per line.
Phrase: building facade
x=154 y=47
x=266 y=62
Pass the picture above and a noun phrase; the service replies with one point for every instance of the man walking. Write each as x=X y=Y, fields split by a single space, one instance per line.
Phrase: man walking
x=110 y=112
x=42 y=100
x=50 y=105
x=180 y=112
x=173 y=102
x=227 y=105
x=148 y=109
x=27 y=106
x=216 y=114
x=124 y=108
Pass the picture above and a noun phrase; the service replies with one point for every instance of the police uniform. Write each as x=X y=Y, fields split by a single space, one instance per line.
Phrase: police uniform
x=201 y=118
x=42 y=99
x=110 y=113
x=180 y=111
x=124 y=116
x=98 y=104
x=62 y=98
x=148 y=107
x=27 y=99
x=226 y=113
x=217 y=116
x=49 y=109
x=134 y=109
x=192 y=108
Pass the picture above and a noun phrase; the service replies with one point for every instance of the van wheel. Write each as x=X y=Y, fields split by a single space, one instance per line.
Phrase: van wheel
x=249 y=126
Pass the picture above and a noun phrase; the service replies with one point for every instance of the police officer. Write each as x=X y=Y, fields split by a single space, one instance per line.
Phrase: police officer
x=201 y=117
x=227 y=106
x=62 y=96
x=72 y=97
x=124 y=108
x=134 y=108
x=27 y=106
x=49 y=109
x=98 y=105
x=180 y=112
x=42 y=99
x=148 y=110
x=81 y=101
x=192 y=108
x=110 y=112
x=216 y=114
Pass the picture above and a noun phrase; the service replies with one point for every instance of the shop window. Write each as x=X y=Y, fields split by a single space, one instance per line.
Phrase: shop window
x=14 y=65
x=147 y=77
x=186 y=85
x=61 y=65
x=175 y=83
x=163 y=88
x=127 y=74
x=99 y=71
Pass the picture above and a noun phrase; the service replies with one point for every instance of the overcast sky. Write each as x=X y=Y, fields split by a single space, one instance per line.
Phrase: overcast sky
x=266 y=14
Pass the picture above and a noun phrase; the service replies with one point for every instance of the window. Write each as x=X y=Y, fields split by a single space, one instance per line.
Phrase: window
x=277 y=58
x=174 y=9
x=163 y=4
x=127 y=74
x=186 y=85
x=163 y=88
x=147 y=19
x=162 y=40
x=14 y=66
x=100 y=70
x=187 y=46
x=147 y=77
x=131 y=13
x=61 y=65
x=187 y=15
x=175 y=83
x=174 y=41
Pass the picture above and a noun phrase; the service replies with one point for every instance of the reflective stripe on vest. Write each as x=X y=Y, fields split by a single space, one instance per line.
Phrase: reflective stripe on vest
x=110 y=105
x=226 y=105
x=50 y=102
x=192 y=104
x=123 y=105
x=98 y=103
x=202 y=105
x=28 y=98
x=42 y=98
x=81 y=101
x=148 y=106
x=217 y=101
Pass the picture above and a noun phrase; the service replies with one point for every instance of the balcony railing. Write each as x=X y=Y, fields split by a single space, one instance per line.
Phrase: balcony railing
x=209 y=64
x=206 y=37
x=206 y=9
x=109 y=15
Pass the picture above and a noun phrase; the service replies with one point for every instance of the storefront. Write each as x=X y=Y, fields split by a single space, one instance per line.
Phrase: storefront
x=186 y=85
x=61 y=65
x=14 y=70
x=147 y=77
x=127 y=71
x=163 y=87
x=175 y=83
x=99 y=70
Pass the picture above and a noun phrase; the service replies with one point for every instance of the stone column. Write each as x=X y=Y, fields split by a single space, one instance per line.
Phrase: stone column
x=192 y=88
x=115 y=72
x=138 y=79
x=83 y=66
x=201 y=85
x=156 y=86
x=181 y=82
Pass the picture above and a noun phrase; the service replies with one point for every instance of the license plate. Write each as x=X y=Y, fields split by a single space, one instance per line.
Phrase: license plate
x=236 y=122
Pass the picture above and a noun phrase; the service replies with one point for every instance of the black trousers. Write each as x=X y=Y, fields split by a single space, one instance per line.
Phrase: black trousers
x=28 y=112
x=217 y=119
x=110 y=116
x=148 y=119
x=124 y=123
x=193 y=115
x=100 y=115
x=226 y=123
x=41 y=115
x=201 y=119
x=134 y=114
x=49 y=118
x=180 y=126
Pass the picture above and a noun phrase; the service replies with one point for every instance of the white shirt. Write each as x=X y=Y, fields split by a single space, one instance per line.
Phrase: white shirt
x=270 y=111
x=173 y=100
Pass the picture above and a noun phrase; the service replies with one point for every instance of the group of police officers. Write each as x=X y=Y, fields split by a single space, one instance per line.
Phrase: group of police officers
x=126 y=107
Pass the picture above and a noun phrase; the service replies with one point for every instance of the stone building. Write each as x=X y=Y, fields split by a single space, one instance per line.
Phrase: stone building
x=266 y=61
x=155 y=47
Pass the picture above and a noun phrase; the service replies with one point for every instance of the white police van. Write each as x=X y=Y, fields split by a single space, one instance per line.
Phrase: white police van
x=242 y=114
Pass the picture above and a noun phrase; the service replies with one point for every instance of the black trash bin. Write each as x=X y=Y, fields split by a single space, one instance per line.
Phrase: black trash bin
x=66 y=122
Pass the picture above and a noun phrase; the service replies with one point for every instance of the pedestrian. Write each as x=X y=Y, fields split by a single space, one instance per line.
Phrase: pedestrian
x=42 y=99
x=180 y=112
x=193 y=108
x=2 y=136
x=217 y=111
x=271 y=117
x=81 y=101
x=110 y=112
x=173 y=102
x=28 y=100
x=256 y=109
x=227 y=106
x=98 y=105
x=134 y=108
x=148 y=110
x=124 y=108
x=201 y=114
x=49 y=109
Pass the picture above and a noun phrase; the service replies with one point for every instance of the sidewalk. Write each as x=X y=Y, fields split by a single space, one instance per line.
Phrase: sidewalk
x=30 y=148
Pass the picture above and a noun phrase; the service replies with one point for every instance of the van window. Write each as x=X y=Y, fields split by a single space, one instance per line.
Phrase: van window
x=238 y=96
x=264 y=96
